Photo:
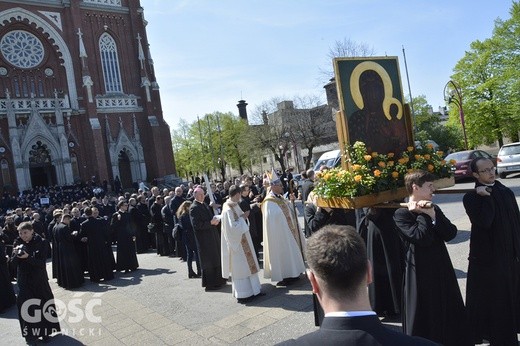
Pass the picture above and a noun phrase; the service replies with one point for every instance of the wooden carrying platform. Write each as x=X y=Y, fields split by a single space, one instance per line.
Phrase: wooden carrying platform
x=376 y=198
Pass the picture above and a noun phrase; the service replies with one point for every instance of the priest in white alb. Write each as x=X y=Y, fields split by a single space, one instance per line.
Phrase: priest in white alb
x=283 y=240
x=238 y=254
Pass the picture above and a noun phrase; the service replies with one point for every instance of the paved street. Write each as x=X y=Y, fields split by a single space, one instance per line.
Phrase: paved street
x=158 y=304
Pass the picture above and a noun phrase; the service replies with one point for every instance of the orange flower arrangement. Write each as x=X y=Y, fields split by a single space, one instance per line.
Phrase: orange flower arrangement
x=375 y=172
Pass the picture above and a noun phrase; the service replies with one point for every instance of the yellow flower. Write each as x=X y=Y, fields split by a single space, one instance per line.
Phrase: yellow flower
x=417 y=156
x=440 y=153
x=395 y=175
x=368 y=157
x=374 y=154
x=377 y=173
x=381 y=164
x=430 y=168
x=319 y=175
x=427 y=156
x=452 y=162
x=390 y=155
x=390 y=163
x=402 y=161
x=410 y=170
x=326 y=176
x=429 y=146
x=409 y=148
x=356 y=167
x=357 y=178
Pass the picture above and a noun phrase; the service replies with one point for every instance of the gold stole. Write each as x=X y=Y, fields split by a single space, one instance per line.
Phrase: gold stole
x=245 y=245
x=293 y=226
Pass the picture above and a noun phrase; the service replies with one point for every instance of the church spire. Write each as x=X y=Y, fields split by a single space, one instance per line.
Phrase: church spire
x=136 y=129
x=82 y=50
x=141 y=51
x=109 y=135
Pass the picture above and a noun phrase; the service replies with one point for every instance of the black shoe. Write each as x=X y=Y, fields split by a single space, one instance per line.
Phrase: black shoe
x=261 y=294
x=281 y=283
x=245 y=300
x=193 y=275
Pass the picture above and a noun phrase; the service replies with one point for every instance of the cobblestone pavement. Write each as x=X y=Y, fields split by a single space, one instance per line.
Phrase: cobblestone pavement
x=158 y=304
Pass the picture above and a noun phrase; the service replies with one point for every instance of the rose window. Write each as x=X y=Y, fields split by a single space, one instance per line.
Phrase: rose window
x=22 y=49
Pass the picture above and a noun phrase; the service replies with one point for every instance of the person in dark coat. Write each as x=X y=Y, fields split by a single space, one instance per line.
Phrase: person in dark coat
x=161 y=240
x=169 y=222
x=493 y=288
x=70 y=273
x=97 y=237
x=385 y=252
x=432 y=303
x=121 y=228
x=316 y=218
x=184 y=223
x=339 y=272
x=33 y=284
x=56 y=214
x=142 y=206
x=7 y=297
x=208 y=241
x=180 y=242
x=139 y=223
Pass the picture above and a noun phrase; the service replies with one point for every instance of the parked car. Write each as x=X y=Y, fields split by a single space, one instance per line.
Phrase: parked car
x=508 y=159
x=463 y=160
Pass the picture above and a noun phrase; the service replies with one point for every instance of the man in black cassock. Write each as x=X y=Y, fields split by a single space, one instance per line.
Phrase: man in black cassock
x=70 y=273
x=493 y=290
x=100 y=256
x=384 y=250
x=208 y=241
x=7 y=298
x=432 y=302
x=33 y=284
x=121 y=228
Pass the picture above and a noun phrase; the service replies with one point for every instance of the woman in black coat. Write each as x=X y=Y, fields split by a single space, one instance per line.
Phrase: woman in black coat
x=183 y=215
x=33 y=285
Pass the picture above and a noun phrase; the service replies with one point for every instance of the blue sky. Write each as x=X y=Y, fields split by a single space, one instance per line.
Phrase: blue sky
x=209 y=54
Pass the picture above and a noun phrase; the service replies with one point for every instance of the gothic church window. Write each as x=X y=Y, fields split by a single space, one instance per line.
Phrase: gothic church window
x=110 y=64
x=6 y=176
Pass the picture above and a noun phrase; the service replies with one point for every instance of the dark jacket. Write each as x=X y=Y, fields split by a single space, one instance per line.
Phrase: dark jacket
x=362 y=330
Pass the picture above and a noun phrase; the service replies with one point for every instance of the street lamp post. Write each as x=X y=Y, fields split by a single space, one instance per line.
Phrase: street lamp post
x=452 y=94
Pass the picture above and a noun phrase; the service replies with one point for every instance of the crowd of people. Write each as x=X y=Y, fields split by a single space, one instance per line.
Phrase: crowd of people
x=218 y=229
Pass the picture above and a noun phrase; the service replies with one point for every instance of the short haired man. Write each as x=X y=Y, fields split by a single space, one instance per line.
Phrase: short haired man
x=432 y=303
x=339 y=272
x=238 y=256
x=205 y=227
x=493 y=291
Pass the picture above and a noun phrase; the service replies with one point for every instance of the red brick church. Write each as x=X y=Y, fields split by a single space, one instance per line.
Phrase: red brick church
x=78 y=95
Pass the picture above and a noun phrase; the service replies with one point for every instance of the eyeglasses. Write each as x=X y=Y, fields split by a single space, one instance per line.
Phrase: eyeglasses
x=488 y=170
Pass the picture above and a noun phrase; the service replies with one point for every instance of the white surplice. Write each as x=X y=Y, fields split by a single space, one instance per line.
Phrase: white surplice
x=238 y=254
x=283 y=240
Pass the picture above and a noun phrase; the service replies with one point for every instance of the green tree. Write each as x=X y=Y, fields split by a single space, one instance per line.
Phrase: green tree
x=488 y=76
x=428 y=125
x=210 y=144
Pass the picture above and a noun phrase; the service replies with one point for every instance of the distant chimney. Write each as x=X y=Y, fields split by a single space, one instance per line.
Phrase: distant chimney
x=265 y=119
x=242 y=112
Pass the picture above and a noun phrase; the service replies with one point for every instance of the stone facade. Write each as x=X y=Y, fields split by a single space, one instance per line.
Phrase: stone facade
x=78 y=95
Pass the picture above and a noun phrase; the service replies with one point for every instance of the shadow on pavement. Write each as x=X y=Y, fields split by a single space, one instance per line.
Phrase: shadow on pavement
x=462 y=236
x=460 y=274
